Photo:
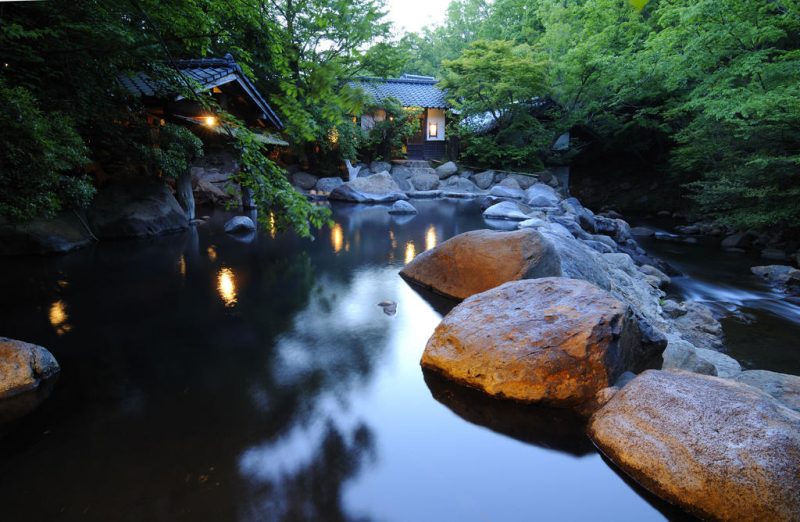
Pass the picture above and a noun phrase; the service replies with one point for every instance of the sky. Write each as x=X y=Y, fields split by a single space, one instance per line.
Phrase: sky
x=413 y=15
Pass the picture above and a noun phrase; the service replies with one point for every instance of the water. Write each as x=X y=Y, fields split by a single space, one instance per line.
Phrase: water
x=761 y=325
x=204 y=378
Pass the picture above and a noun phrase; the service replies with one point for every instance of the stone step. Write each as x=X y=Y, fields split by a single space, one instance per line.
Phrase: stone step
x=417 y=164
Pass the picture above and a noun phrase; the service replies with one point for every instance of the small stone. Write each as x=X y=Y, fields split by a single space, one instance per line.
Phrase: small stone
x=402 y=207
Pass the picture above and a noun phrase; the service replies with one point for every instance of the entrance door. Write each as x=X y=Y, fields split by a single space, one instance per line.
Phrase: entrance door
x=415 y=145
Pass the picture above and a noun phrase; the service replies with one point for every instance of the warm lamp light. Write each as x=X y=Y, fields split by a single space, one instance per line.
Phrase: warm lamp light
x=433 y=129
x=210 y=121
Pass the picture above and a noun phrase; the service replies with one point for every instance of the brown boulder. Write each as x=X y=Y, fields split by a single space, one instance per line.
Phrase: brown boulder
x=720 y=449
x=477 y=261
x=553 y=340
x=23 y=366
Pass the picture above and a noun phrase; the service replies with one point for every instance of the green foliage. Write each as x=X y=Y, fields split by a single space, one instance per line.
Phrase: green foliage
x=173 y=151
x=40 y=159
x=385 y=139
x=501 y=81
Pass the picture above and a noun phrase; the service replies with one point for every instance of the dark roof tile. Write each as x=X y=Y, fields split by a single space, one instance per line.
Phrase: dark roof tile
x=410 y=90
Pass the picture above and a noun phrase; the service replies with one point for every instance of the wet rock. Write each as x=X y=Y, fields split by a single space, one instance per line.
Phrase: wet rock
x=506 y=192
x=239 y=224
x=725 y=365
x=656 y=276
x=783 y=277
x=457 y=184
x=402 y=207
x=738 y=240
x=446 y=170
x=304 y=180
x=510 y=183
x=423 y=181
x=506 y=210
x=477 y=261
x=207 y=192
x=380 y=166
x=698 y=326
x=326 y=185
x=425 y=194
x=643 y=232
x=700 y=442
x=136 y=208
x=541 y=195
x=58 y=235
x=584 y=216
x=783 y=387
x=681 y=355
x=483 y=179
x=23 y=367
x=377 y=188
x=524 y=181
x=556 y=341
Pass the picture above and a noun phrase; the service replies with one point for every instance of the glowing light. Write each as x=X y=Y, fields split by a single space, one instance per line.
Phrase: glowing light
x=411 y=252
x=273 y=228
x=182 y=265
x=392 y=239
x=430 y=238
x=212 y=253
x=337 y=238
x=433 y=129
x=226 y=286
x=210 y=121
x=58 y=317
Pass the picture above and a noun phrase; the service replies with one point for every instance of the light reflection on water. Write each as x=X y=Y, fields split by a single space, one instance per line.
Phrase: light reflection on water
x=306 y=403
x=226 y=286
x=58 y=317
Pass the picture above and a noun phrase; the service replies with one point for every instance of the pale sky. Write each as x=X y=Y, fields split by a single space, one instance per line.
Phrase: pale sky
x=413 y=15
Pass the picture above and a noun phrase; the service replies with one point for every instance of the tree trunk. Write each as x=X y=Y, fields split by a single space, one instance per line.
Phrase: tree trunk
x=352 y=172
x=184 y=195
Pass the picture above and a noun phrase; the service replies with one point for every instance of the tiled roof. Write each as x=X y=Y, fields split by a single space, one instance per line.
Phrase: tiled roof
x=207 y=72
x=411 y=90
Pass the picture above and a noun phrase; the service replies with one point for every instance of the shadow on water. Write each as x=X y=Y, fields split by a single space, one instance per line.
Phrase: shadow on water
x=556 y=429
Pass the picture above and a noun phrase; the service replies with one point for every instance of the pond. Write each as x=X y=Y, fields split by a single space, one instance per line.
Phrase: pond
x=207 y=378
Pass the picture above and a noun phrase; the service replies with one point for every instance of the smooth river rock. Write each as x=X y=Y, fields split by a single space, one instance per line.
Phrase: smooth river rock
x=23 y=367
x=783 y=387
x=239 y=224
x=554 y=340
x=402 y=207
x=722 y=450
x=507 y=210
x=479 y=260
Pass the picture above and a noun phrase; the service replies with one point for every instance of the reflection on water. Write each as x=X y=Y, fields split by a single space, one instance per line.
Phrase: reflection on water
x=182 y=265
x=411 y=252
x=337 y=238
x=307 y=403
x=226 y=286
x=430 y=238
x=273 y=229
x=58 y=317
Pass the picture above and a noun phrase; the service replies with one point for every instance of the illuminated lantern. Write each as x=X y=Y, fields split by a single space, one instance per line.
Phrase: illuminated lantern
x=433 y=129
x=210 y=121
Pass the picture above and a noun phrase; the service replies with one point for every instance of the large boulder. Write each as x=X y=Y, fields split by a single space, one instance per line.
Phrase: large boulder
x=446 y=170
x=377 y=188
x=720 y=449
x=555 y=341
x=783 y=387
x=477 y=261
x=424 y=181
x=304 y=180
x=326 y=185
x=681 y=355
x=507 y=210
x=136 y=208
x=217 y=194
x=541 y=195
x=502 y=191
x=458 y=184
x=23 y=367
x=63 y=233
x=784 y=278
x=698 y=325
x=483 y=179
x=523 y=180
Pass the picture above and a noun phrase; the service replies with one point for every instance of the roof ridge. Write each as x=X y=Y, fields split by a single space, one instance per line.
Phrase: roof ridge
x=424 y=80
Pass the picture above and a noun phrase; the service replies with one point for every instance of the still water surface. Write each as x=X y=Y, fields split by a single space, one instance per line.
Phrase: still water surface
x=206 y=378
